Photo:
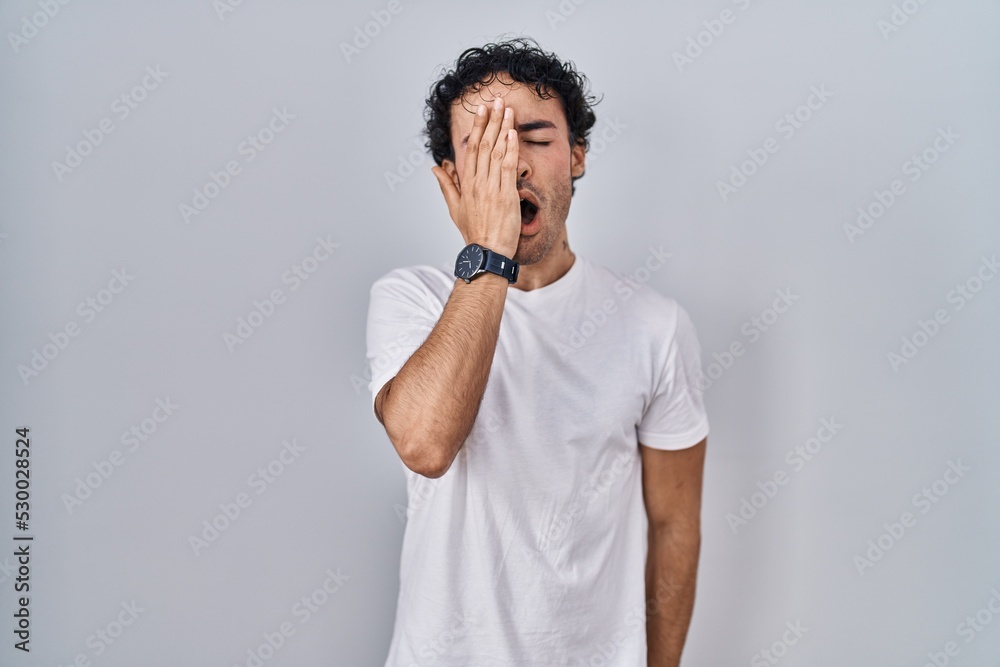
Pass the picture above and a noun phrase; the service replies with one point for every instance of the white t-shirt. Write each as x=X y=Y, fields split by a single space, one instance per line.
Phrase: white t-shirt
x=531 y=549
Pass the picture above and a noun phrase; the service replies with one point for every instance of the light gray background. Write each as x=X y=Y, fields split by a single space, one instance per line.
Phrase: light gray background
x=301 y=375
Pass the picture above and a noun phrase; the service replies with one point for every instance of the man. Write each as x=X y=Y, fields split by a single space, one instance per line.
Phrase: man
x=538 y=401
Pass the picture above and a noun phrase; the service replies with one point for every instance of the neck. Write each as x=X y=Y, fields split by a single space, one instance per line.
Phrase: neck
x=549 y=269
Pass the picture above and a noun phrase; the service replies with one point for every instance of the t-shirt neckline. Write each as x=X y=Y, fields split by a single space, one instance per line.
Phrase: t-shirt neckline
x=555 y=289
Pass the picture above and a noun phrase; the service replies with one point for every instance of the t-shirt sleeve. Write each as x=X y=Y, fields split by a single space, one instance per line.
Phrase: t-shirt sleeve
x=675 y=417
x=401 y=313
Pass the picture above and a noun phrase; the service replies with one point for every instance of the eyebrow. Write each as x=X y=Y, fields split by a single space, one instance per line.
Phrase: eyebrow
x=525 y=127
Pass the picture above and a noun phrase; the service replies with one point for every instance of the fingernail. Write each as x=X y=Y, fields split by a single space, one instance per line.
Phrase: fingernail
x=506 y=112
x=481 y=110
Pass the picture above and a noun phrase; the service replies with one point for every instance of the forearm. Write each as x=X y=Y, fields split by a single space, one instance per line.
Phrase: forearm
x=671 y=572
x=430 y=406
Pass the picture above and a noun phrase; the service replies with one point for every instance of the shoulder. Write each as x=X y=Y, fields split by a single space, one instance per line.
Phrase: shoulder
x=419 y=278
x=638 y=299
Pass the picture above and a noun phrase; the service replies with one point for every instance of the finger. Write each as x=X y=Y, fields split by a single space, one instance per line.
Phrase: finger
x=448 y=189
x=508 y=167
x=489 y=141
x=472 y=145
x=500 y=150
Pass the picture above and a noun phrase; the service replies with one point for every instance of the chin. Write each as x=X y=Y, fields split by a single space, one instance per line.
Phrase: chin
x=531 y=250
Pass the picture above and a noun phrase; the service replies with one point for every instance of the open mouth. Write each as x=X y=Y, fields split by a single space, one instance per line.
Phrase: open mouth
x=529 y=210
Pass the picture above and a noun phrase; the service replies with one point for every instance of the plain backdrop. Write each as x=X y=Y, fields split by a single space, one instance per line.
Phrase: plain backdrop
x=891 y=334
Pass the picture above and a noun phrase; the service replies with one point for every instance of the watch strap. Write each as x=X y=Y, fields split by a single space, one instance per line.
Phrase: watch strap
x=500 y=265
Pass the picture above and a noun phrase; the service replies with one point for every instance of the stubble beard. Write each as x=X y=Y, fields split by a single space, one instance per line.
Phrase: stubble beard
x=532 y=249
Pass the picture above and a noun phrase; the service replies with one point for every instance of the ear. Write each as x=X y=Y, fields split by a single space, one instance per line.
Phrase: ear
x=578 y=158
x=452 y=172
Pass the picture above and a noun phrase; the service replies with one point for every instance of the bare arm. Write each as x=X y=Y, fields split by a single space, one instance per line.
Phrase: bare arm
x=671 y=488
x=429 y=407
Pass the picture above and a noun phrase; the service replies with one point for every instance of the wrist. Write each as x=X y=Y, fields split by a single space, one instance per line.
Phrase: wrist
x=487 y=278
x=496 y=246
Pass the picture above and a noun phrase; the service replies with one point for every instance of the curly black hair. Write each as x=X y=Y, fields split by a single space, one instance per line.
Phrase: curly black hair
x=522 y=60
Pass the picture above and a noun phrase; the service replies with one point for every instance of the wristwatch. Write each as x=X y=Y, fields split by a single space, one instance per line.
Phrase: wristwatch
x=475 y=260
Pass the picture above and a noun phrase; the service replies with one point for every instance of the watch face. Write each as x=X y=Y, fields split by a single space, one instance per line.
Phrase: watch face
x=469 y=261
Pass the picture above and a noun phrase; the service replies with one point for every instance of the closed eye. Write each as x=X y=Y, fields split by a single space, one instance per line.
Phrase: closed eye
x=539 y=143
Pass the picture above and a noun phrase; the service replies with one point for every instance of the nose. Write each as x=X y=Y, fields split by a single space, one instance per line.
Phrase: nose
x=523 y=169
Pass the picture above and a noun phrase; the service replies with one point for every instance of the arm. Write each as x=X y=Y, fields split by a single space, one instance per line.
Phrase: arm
x=426 y=418
x=429 y=407
x=671 y=490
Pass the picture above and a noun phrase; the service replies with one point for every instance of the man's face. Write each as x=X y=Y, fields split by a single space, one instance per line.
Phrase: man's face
x=546 y=161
